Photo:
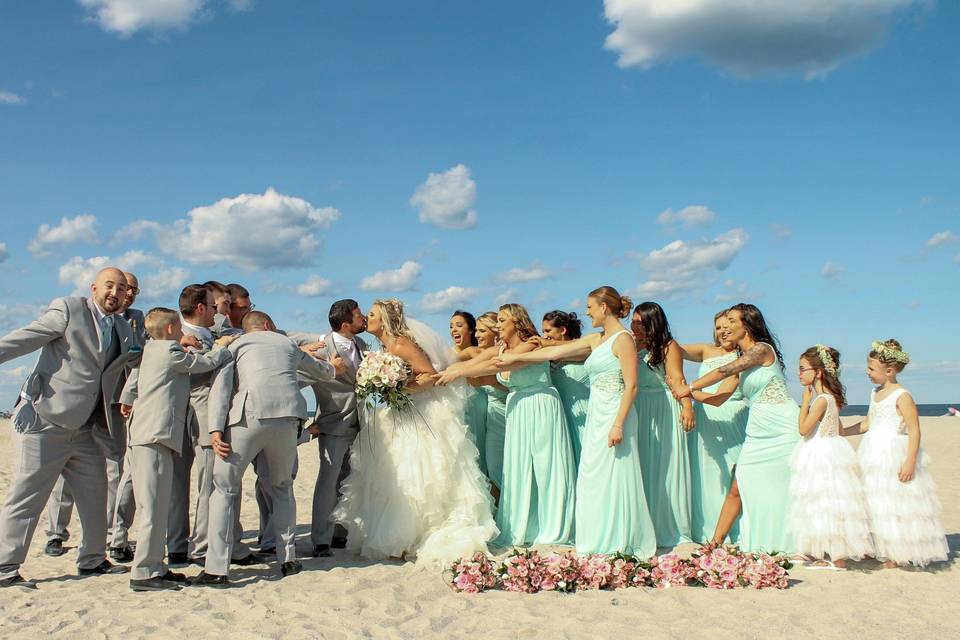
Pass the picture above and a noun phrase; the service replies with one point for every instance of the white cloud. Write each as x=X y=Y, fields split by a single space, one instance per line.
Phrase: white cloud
x=158 y=280
x=4 y=254
x=831 y=271
x=781 y=231
x=748 y=36
x=735 y=291
x=249 y=231
x=126 y=17
x=134 y=231
x=692 y=216
x=533 y=273
x=506 y=296
x=681 y=267
x=314 y=286
x=446 y=199
x=447 y=299
x=401 y=279
x=81 y=228
x=7 y=97
x=942 y=238
x=18 y=314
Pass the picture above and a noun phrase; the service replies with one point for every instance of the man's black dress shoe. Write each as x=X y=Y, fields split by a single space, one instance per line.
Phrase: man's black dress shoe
x=199 y=561
x=269 y=551
x=204 y=579
x=338 y=543
x=246 y=561
x=291 y=568
x=18 y=580
x=322 y=551
x=177 y=559
x=121 y=554
x=54 y=547
x=172 y=576
x=104 y=568
x=155 y=583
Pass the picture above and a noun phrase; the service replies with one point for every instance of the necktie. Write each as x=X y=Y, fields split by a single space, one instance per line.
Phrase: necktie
x=106 y=332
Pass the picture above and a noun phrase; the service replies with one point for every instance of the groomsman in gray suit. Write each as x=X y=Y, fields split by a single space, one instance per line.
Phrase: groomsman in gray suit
x=336 y=422
x=255 y=407
x=114 y=445
x=83 y=353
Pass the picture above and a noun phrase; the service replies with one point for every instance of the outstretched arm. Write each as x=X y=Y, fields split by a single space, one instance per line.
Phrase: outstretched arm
x=47 y=328
x=721 y=395
x=757 y=355
x=694 y=352
x=676 y=381
x=478 y=368
x=560 y=351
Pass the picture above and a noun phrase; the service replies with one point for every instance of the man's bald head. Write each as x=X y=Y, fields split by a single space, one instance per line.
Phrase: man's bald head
x=109 y=290
x=133 y=290
x=257 y=321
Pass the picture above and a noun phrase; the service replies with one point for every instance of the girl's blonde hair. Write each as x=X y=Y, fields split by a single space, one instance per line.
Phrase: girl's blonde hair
x=717 y=316
x=489 y=321
x=890 y=353
x=521 y=319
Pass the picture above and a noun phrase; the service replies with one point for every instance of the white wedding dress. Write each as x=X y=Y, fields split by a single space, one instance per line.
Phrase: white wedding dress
x=415 y=487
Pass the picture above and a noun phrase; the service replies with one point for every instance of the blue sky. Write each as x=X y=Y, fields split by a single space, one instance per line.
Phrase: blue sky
x=802 y=156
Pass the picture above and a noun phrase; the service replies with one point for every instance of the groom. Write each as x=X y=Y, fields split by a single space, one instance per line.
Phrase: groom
x=336 y=422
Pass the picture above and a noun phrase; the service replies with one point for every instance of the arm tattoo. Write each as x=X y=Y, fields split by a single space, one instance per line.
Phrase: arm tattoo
x=754 y=357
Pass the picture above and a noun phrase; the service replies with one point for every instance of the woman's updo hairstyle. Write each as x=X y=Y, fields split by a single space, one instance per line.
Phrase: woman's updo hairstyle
x=568 y=321
x=619 y=305
x=890 y=353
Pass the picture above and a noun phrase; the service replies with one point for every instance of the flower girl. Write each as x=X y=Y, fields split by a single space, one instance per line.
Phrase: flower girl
x=828 y=508
x=901 y=494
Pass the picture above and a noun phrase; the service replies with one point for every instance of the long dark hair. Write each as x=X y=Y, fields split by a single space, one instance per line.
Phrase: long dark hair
x=655 y=326
x=757 y=327
x=564 y=320
x=831 y=380
x=471 y=324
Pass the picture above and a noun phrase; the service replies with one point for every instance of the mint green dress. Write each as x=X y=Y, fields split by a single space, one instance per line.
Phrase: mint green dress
x=612 y=513
x=763 y=469
x=714 y=447
x=476 y=419
x=536 y=498
x=573 y=384
x=496 y=431
x=663 y=456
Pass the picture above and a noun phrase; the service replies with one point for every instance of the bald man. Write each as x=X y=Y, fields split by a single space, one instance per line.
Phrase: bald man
x=84 y=350
x=120 y=504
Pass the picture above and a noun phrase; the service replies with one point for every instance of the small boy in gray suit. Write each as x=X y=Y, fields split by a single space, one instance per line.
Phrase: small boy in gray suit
x=156 y=432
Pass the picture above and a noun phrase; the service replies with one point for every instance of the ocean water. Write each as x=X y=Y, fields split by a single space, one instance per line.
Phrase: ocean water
x=923 y=409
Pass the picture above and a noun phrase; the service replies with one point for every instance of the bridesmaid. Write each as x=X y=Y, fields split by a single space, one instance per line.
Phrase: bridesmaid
x=762 y=477
x=537 y=495
x=611 y=511
x=569 y=376
x=663 y=425
x=463 y=328
x=714 y=447
x=496 y=395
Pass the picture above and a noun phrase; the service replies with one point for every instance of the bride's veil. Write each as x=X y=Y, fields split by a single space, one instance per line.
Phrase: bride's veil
x=441 y=354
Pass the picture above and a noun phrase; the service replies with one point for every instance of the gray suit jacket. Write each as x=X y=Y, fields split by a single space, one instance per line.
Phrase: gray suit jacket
x=71 y=372
x=134 y=318
x=336 y=413
x=163 y=391
x=263 y=379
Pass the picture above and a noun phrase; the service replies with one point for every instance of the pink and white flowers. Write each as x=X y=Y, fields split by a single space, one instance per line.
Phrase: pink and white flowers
x=382 y=376
x=473 y=575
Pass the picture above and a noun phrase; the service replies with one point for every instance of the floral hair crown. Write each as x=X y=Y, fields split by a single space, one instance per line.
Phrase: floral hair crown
x=829 y=364
x=886 y=352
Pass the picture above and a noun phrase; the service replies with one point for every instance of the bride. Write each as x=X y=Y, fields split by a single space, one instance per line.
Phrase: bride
x=415 y=487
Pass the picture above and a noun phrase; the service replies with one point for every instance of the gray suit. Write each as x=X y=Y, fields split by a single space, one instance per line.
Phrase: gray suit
x=336 y=418
x=67 y=396
x=114 y=445
x=157 y=426
x=256 y=402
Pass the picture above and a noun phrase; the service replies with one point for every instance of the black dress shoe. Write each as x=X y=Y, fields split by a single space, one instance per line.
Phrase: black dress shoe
x=291 y=568
x=246 y=561
x=104 y=568
x=339 y=543
x=204 y=579
x=269 y=551
x=121 y=554
x=322 y=551
x=177 y=559
x=155 y=583
x=54 y=547
x=171 y=576
x=200 y=561
x=18 y=580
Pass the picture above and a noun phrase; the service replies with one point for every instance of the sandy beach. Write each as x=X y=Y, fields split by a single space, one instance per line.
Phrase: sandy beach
x=346 y=597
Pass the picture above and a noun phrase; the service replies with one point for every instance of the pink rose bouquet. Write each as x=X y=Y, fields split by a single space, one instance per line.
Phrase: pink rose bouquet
x=766 y=571
x=718 y=567
x=382 y=376
x=473 y=575
x=560 y=572
x=670 y=570
x=595 y=572
x=522 y=571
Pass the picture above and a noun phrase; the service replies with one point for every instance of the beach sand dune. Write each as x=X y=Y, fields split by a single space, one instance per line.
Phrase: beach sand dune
x=347 y=597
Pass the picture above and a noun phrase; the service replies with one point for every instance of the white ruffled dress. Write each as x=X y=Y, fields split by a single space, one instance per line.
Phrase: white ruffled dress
x=904 y=516
x=828 y=508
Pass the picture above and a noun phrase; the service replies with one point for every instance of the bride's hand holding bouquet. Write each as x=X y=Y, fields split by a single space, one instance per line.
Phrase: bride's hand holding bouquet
x=383 y=378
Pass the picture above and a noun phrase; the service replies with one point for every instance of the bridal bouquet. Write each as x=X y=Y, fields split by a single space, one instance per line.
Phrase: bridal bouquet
x=382 y=377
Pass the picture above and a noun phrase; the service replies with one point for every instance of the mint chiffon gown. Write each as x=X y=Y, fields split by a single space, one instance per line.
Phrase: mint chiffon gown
x=611 y=511
x=663 y=455
x=763 y=469
x=495 y=432
x=573 y=384
x=476 y=419
x=714 y=447
x=537 y=494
